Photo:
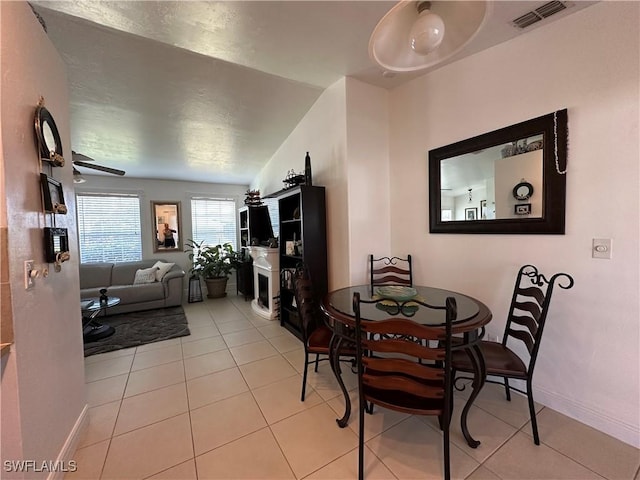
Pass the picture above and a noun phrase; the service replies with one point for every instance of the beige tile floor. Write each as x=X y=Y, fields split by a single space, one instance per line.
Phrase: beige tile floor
x=223 y=403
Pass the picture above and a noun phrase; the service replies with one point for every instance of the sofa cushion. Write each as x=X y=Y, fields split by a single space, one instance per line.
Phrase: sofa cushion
x=125 y=272
x=162 y=269
x=145 y=275
x=128 y=294
x=95 y=275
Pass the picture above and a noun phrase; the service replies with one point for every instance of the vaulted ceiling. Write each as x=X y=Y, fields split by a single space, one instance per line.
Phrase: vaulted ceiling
x=207 y=91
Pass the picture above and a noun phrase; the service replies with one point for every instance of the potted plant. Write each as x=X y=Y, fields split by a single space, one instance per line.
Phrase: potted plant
x=214 y=264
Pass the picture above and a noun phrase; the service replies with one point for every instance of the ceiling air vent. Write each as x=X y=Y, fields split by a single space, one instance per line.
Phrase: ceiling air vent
x=539 y=13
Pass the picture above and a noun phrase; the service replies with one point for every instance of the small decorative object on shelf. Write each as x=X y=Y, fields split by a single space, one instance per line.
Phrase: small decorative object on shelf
x=293 y=179
x=252 y=198
x=290 y=248
x=276 y=307
x=307 y=170
x=103 y=296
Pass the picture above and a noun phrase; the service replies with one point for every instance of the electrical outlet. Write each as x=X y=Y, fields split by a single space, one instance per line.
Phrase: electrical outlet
x=29 y=279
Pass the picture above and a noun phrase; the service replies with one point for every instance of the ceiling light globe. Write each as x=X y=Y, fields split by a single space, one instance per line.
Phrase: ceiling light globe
x=427 y=33
x=77 y=177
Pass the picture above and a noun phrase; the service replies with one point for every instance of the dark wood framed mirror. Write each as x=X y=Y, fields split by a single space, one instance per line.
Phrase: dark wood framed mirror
x=482 y=172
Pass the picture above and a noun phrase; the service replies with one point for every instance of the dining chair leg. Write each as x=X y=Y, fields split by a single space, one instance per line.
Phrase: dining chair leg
x=362 y=406
x=507 y=390
x=451 y=388
x=304 y=375
x=532 y=414
x=447 y=453
x=316 y=367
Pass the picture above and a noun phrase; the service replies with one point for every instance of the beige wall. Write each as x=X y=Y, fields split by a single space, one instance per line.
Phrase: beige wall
x=588 y=62
x=589 y=362
x=43 y=392
x=346 y=133
x=322 y=133
x=367 y=177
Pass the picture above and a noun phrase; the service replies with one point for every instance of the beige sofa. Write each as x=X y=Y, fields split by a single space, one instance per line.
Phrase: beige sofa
x=118 y=279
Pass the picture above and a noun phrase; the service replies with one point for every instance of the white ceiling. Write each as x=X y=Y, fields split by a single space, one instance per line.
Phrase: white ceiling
x=207 y=91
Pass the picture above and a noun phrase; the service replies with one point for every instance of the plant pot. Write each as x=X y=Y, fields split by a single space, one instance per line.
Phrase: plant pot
x=216 y=287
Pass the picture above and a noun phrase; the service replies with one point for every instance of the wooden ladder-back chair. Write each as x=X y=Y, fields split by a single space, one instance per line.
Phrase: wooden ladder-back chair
x=390 y=271
x=405 y=366
x=525 y=323
x=316 y=332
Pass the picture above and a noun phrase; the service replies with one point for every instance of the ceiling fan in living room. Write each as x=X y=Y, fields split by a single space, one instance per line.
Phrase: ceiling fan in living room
x=81 y=160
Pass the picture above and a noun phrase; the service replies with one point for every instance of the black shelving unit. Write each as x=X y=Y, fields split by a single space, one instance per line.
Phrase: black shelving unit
x=255 y=226
x=303 y=238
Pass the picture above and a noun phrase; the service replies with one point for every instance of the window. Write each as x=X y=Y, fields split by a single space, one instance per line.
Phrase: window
x=272 y=206
x=109 y=227
x=213 y=220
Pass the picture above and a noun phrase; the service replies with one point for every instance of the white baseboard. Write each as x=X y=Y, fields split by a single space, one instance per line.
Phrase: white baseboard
x=601 y=421
x=69 y=448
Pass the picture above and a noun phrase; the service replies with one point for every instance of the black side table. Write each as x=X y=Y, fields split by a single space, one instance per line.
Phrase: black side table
x=92 y=330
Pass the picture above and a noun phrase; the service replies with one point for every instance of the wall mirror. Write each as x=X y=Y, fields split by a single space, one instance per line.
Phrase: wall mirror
x=511 y=180
x=166 y=223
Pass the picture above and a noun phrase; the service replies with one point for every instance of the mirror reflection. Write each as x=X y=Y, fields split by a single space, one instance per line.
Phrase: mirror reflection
x=166 y=223
x=469 y=182
x=49 y=137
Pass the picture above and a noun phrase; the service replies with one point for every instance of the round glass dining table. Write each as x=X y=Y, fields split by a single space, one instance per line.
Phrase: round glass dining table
x=472 y=316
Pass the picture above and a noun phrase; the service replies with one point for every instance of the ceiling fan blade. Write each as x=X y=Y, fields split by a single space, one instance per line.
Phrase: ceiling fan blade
x=114 y=171
x=75 y=156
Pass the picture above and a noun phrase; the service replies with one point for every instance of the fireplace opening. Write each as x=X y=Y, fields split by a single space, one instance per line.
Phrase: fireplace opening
x=263 y=291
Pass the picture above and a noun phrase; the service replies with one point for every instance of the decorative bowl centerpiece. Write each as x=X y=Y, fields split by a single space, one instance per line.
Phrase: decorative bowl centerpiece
x=397 y=293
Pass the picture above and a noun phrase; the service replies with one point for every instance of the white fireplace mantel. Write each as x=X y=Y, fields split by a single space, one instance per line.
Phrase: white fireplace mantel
x=266 y=267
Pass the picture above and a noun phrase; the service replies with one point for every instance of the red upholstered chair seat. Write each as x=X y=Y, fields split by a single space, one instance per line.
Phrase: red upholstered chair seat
x=318 y=341
x=498 y=359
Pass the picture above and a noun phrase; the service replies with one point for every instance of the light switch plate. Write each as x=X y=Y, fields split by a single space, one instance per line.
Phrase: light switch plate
x=601 y=248
x=28 y=279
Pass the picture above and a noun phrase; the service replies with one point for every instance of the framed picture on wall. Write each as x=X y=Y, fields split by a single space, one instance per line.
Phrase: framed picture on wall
x=471 y=213
x=52 y=195
x=523 y=209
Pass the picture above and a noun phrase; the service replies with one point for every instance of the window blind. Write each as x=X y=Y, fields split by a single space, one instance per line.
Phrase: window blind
x=213 y=220
x=272 y=206
x=109 y=227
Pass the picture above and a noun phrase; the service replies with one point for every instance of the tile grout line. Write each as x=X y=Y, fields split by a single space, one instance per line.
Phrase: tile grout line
x=106 y=456
x=193 y=446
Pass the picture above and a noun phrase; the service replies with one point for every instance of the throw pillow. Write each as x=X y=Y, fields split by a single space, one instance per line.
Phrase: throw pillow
x=145 y=275
x=163 y=268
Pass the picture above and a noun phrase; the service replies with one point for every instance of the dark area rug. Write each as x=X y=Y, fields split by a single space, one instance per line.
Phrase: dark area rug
x=139 y=328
